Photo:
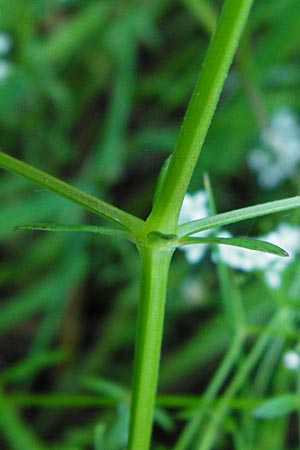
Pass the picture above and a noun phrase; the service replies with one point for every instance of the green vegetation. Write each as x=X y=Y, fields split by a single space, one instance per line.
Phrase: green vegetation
x=94 y=92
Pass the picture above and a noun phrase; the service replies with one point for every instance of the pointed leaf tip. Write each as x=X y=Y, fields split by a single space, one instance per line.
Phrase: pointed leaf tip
x=277 y=407
x=247 y=243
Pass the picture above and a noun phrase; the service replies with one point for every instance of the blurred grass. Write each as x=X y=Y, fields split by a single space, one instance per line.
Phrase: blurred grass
x=96 y=94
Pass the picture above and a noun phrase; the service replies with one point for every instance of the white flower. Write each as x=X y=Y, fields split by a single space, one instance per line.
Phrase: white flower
x=291 y=360
x=5 y=46
x=5 y=43
x=278 y=156
x=240 y=258
x=194 y=207
x=285 y=236
x=192 y=291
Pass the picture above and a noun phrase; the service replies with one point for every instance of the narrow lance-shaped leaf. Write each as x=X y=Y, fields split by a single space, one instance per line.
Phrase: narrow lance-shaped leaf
x=277 y=407
x=161 y=178
x=14 y=429
x=99 y=438
x=93 y=204
x=248 y=243
x=238 y=215
x=31 y=365
x=79 y=228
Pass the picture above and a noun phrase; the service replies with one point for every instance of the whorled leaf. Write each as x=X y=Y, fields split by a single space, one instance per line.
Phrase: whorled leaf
x=238 y=215
x=75 y=195
x=78 y=228
x=248 y=243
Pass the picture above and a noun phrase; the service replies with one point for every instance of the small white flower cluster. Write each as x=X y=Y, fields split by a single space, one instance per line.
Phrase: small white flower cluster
x=194 y=207
x=291 y=360
x=285 y=235
x=193 y=292
x=5 y=46
x=278 y=157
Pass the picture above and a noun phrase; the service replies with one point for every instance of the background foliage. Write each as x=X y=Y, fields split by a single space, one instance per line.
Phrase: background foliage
x=94 y=92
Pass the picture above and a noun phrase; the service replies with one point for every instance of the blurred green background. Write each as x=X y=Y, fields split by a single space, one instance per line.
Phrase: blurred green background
x=94 y=92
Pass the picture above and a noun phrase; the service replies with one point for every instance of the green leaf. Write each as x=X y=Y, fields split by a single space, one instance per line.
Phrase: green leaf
x=204 y=12
x=161 y=178
x=35 y=298
x=277 y=407
x=238 y=215
x=99 y=438
x=17 y=433
x=93 y=204
x=64 y=43
x=164 y=419
x=104 y=387
x=79 y=228
x=30 y=366
x=31 y=208
x=250 y=244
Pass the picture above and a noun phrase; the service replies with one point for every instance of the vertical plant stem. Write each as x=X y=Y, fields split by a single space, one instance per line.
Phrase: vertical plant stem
x=155 y=267
x=199 y=113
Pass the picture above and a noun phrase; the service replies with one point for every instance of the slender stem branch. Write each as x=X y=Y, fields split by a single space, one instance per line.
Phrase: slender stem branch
x=199 y=114
x=155 y=267
x=93 y=204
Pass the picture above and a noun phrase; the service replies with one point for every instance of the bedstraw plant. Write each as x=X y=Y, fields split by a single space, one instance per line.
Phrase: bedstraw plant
x=160 y=234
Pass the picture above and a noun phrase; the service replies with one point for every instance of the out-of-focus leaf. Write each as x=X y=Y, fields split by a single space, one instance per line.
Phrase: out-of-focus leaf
x=99 y=439
x=277 y=407
x=65 y=190
x=62 y=44
x=36 y=207
x=17 y=433
x=28 y=367
x=104 y=387
x=42 y=294
x=164 y=419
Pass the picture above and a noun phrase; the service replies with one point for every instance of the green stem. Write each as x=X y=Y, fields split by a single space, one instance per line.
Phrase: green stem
x=199 y=114
x=155 y=267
